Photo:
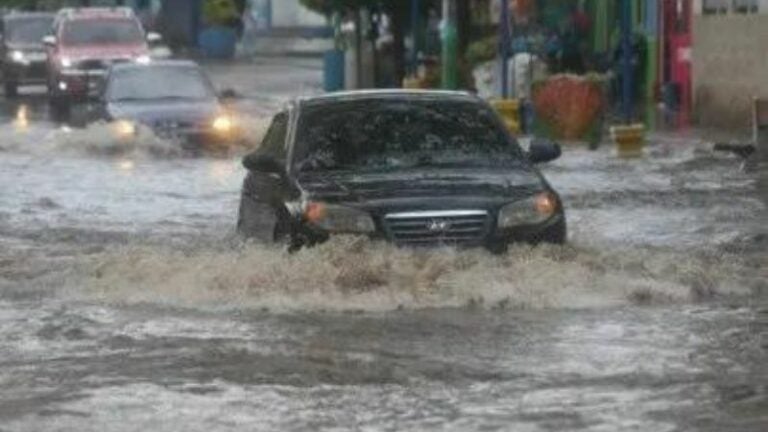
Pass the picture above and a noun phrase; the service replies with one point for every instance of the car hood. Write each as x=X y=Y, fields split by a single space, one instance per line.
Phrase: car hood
x=111 y=52
x=151 y=112
x=424 y=187
x=25 y=47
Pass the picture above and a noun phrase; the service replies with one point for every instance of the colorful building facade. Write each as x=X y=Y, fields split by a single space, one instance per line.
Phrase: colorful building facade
x=729 y=60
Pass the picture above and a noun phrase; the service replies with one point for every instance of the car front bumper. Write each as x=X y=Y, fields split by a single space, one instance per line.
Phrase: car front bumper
x=194 y=139
x=77 y=83
x=486 y=236
x=25 y=72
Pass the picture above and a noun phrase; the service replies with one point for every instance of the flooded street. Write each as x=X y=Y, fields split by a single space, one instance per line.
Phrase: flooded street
x=128 y=303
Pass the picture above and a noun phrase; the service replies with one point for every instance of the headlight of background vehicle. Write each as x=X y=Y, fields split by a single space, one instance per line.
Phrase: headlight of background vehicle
x=145 y=59
x=124 y=129
x=338 y=219
x=531 y=211
x=17 y=56
x=223 y=124
x=66 y=62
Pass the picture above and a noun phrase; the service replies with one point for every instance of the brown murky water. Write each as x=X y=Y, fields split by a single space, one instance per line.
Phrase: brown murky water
x=127 y=303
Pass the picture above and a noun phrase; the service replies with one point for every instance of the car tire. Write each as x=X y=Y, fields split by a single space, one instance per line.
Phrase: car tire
x=256 y=221
x=11 y=89
x=61 y=107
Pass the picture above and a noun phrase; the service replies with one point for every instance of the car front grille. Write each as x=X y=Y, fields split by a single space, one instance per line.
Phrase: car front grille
x=435 y=228
x=91 y=65
x=172 y=129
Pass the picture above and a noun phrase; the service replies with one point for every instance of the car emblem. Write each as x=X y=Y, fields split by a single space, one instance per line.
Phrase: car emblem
x=438 y=226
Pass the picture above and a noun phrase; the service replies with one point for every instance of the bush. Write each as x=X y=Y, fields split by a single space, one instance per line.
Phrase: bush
x=220 y=12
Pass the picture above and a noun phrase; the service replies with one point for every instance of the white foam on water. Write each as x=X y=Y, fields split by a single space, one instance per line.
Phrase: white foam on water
x=355 y=274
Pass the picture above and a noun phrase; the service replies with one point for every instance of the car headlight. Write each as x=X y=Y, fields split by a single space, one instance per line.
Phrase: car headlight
x=338 y=219
x=223 y=124
x=144 y=59
x=124 y=129
x=530 y=211
x=66 y=62
x=17 y=56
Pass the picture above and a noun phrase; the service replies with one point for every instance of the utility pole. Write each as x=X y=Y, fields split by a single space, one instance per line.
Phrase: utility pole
x=504 y=36
x=450 y=46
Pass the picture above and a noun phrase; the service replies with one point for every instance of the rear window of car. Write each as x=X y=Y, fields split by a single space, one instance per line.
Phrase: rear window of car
x=101 y=31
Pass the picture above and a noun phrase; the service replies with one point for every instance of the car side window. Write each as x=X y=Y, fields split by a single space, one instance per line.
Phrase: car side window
x=274 y=140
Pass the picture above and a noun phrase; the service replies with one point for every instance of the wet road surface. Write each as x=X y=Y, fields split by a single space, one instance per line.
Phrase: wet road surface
x=127 y=303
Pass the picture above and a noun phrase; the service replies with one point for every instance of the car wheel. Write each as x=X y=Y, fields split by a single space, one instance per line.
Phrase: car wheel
x=61 y=107
x=11 y=89
x=256 y=220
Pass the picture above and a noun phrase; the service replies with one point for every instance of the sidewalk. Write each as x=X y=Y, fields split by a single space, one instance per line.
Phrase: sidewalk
x=287 y=42
x=265 y=83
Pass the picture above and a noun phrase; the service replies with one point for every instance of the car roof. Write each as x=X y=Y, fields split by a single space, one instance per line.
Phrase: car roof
x=389 y=94
x=96 y=13
x=155 y=64
x=18 y=15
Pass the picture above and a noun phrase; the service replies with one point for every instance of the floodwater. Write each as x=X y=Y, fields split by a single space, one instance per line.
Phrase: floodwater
x=127 y=303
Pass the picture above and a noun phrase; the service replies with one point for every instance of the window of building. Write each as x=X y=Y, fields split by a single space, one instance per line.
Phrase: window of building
x=717 y=7
x=714 y=7
x=745 y=6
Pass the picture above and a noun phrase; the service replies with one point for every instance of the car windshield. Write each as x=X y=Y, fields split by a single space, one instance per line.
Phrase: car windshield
x=397 y=134
x=159 y=82
x=27 y=30
x=108 y=31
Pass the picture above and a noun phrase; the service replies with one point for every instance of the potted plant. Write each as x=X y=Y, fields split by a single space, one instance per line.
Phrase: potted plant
x=222 y=21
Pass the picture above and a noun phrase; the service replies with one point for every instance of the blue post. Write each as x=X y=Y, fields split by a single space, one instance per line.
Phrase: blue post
x=504 y=47
x=626 y=60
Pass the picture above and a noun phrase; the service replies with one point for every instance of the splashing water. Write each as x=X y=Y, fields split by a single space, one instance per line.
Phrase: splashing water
x=102 y=139
x=353 y=274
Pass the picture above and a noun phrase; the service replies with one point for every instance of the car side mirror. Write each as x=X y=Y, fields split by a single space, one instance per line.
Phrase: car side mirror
x=263 y=163
x=49 y=41
x=543 y=150
x=153 y=37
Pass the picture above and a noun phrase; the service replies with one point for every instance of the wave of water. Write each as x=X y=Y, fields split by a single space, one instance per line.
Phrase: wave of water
x=354 y=274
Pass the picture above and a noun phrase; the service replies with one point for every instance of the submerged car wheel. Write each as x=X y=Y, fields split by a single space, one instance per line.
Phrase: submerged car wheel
x=264 y=225
x=61 y=107
x=256 y=220
x=11 y=89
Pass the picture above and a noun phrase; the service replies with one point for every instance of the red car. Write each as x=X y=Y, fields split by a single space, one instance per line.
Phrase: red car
x=83 y=45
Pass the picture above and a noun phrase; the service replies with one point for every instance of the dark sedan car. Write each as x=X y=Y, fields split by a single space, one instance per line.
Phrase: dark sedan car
x=174 y=98
x=411 y=167
x=23 y=57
